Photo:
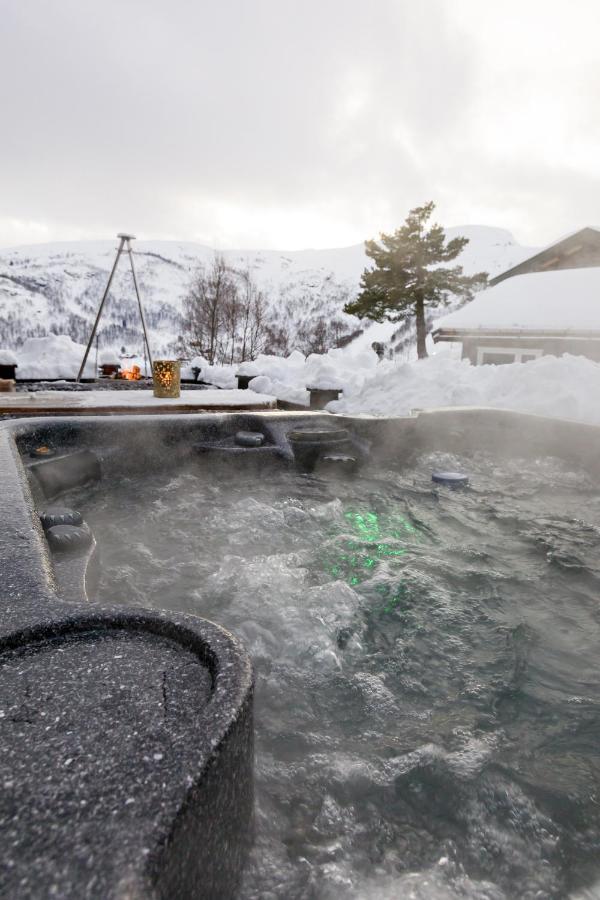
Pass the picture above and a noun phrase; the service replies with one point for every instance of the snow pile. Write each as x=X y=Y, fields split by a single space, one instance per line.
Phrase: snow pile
x=7 y=358
x=110 y=358
x=566 y=300
x=54 y=356
x=288 y=378
x=220 y=376
x=564 y=387
x=279 y=376
x=560 y=387
x=275 y=367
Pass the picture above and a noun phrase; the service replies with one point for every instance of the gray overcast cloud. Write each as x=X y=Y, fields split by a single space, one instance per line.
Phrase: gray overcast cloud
x=272 y=123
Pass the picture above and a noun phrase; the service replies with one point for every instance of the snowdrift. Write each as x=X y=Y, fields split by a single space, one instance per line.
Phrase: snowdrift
x=54 y=356
x=564 y=387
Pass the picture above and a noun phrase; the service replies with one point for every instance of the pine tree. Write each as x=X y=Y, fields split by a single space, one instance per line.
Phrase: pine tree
x=408 y=275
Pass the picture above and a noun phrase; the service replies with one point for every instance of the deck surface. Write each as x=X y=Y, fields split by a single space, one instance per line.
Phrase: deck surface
x=36 y=403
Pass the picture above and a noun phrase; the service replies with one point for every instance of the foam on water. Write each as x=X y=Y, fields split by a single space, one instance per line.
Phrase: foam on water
x=427 y=666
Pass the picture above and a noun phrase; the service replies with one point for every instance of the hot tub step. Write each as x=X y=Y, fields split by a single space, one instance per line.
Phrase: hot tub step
x=61 y=473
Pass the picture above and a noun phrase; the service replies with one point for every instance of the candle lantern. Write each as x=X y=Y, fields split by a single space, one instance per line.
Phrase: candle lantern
x=167 y=377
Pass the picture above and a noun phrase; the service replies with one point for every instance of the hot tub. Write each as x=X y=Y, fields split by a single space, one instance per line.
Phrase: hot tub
x=427 y=682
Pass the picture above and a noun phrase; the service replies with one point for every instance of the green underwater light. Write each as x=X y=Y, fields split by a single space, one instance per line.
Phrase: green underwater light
x=392 y=595
x=376 y=539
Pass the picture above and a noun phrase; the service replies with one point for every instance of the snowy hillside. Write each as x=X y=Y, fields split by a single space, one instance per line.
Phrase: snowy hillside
x=56 y=288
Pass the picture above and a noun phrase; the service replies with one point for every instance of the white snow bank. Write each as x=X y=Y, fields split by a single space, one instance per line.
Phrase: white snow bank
x=221 y=376
x=288 y=378
x=564 y=387
x=566 y=300
x=54 y=356
x=273 y=366
x=198 y=362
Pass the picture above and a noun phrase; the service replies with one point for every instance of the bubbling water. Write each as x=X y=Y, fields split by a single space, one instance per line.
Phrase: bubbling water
x=427 y=667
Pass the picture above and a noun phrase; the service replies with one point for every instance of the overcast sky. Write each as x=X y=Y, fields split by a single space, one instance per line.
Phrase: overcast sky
x=296 y=123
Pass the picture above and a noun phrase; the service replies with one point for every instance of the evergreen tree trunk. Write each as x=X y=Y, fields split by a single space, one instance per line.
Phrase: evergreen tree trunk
x=421 y=328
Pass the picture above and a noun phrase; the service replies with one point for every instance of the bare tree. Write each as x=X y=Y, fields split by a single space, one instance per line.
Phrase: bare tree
x=259 y=321
x=207 y=307
x=277 y=340
x=246 y=285
x=225 y=315
x=228 y=319
x=312 y=336
x=231 y=316
x=254 y=317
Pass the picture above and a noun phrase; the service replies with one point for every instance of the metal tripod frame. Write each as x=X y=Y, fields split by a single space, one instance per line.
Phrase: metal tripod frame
x=124 y=247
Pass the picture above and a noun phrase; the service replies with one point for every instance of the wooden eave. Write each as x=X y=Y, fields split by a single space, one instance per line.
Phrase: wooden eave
x=563 y=249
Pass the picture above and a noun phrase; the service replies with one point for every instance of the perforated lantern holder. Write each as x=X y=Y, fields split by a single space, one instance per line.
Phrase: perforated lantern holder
x=166 y=377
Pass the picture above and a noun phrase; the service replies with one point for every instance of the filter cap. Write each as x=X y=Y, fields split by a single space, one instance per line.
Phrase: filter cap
x=450 y=479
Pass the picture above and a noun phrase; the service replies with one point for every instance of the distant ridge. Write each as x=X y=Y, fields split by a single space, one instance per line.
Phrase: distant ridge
x=56 y=287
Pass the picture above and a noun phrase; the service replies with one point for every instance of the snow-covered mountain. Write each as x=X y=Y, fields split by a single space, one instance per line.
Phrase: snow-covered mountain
x=56 y=288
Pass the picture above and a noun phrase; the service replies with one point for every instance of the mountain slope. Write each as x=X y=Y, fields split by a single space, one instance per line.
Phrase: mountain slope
x=56 y=288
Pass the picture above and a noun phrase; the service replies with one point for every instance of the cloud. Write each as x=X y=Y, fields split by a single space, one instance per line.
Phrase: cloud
x=276 y=123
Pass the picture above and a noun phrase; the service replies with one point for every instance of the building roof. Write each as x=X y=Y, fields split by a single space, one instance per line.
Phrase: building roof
x=580 y=248
x=555 y=301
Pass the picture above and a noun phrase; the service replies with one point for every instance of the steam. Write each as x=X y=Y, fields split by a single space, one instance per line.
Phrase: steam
x=403 y=638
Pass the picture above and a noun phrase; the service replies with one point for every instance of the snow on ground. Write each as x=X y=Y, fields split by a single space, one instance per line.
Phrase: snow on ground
x=220 y=376
x=289 y=378
x=561 y=387
x=549 y=301
x=138 y=398
x=564 y=387
x=54 y=356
